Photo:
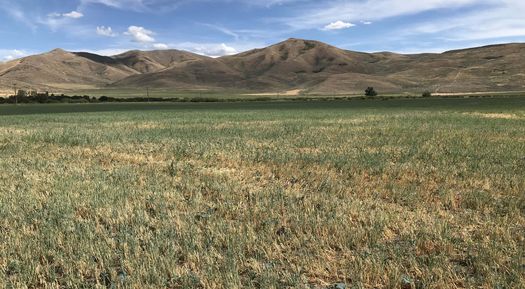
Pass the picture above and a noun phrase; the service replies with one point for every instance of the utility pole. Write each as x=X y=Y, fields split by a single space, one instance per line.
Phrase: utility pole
x=16 y=93
x=147 y=93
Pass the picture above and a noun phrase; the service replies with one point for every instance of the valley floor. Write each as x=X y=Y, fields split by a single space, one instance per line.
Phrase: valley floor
x=373 y=194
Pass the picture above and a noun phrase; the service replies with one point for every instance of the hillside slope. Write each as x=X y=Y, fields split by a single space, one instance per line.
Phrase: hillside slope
x=153 y=61
x=59 y=69
x=310 y=66
x=320 y=68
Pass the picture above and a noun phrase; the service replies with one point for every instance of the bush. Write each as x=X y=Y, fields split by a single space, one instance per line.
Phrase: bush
x=426 y=94
x=21 y=93
x=370 y=91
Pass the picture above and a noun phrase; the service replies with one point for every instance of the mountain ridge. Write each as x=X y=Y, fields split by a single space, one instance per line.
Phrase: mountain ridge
x=308 y=65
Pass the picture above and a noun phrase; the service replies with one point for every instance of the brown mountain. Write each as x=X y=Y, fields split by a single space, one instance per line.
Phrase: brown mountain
x=489 y=68
x=311 y=66
x=297 y=62
x=153 y=61
x=316 y=67
x=205 y=73
x=62 y=70
x=291 y=64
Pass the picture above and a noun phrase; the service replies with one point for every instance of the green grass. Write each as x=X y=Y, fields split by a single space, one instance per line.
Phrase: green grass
x=374 y=194
x=161 y=93
x=243 y=94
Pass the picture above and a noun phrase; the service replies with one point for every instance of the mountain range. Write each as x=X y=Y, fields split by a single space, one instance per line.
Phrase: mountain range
x=294 y=64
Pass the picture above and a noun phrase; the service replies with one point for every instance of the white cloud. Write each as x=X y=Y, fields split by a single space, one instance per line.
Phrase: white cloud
x=160 y=46
x=218 y=50
x=366 y=22
x=140 y=34
x=73 y=14
x=106 y=52
x=105 y=31
x=56 y=20
x=338 y=25
x=208 y=49
x=8 y=55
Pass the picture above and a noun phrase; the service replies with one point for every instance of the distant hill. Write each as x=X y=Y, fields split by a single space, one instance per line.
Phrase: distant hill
x=62 y=70
x=154 y=61
x=311 y=66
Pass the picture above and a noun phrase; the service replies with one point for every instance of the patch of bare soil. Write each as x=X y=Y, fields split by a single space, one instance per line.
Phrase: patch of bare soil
x=294 y=92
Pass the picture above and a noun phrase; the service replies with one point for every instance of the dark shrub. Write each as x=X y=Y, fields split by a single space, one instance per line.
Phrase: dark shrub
x=426 y=94
x=370 y=91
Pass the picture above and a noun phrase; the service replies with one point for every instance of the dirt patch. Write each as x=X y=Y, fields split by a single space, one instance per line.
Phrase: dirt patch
x=473 y=93
x=495 y=115
x=219 y=171
x=294 y=92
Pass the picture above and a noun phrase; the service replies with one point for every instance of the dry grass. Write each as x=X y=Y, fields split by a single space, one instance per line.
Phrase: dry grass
x=264 y=198
x=497 y=115
x=293 y=92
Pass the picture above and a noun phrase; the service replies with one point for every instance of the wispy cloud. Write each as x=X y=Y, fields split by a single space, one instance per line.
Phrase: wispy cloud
x=17 y=13
x=11 y=54
x=502 y=21
x=152 y=6
x=120 y=4
x=54 y=21
x=155 y=6
x=73 y=14
x=446 y=20
x=106 y=31
x=222 y=29
x=238 y=25
x=323 y=13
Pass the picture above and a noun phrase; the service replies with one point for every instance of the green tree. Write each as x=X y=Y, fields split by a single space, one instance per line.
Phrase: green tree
x=370 y=91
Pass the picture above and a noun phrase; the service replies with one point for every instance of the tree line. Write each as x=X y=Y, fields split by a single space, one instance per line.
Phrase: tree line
x=46 y=97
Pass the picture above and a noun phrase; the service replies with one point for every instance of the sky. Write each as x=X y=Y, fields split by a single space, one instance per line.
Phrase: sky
x=224 y=27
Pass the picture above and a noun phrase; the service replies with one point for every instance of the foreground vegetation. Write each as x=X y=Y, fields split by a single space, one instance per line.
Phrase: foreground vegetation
x=371 y=194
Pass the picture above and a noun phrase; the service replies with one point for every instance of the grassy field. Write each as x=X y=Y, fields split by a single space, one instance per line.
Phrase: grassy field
x=372 y=194
x=195 y=93
x=247 y=95
x=160 y=93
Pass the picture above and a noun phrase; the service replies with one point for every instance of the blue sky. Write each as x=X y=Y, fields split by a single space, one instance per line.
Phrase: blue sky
x=220 y=27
